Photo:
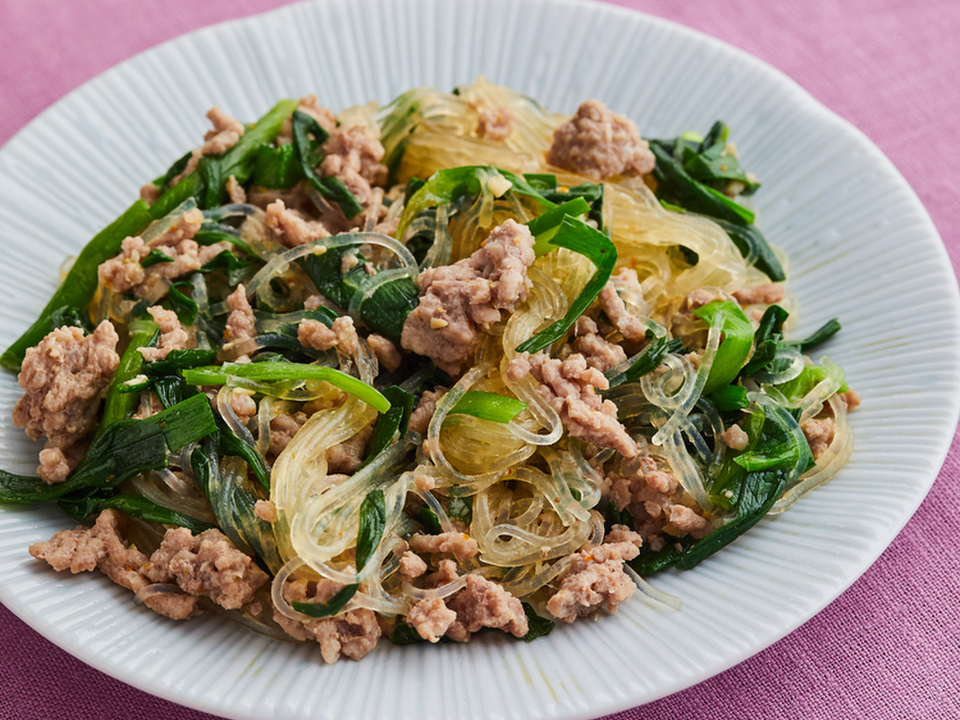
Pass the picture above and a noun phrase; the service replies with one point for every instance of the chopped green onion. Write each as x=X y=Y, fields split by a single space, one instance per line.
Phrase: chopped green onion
x=266 y=371
x=330 y=187
x=735 y=346
x=576 y=235
x=489 y=406
x=124 y=449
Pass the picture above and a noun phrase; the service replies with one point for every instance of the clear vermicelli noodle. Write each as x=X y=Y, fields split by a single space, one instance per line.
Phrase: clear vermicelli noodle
x=454 y=363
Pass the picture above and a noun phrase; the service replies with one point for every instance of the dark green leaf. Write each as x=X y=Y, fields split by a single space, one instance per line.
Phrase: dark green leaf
x=392 y=423
x=579 y=237
x=330 y=187
x=405 y=634
x=329 y=608
x=177 y=360
x=277 y=167
x=124 y=449
x=538 y=625
x=72 y=316
x=156 y=256
x=133 y=506
x=766 y=340
x=373 y=518
x=820 y=336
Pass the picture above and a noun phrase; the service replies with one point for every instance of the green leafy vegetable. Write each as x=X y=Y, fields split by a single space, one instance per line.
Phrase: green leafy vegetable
x=545 y=227
x=124 y=449
x=445 y=186
x=735 y=346
x=267 y=371
x=538 y=626
x=214 y=171
x=752 y=481
x=277 y=168
x=710 y=162
x=156 y=256
x=391 y=423
x=134 y=506
x=820 y=336
x=677 y=188
x=579 y=237
x=647 y=360
x=766 y=339
x=330 y=187
x=489 y=406
x=228 y=443
x=119 y=402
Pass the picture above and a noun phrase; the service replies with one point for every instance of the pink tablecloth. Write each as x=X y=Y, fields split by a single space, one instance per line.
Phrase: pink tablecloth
x=889 y=647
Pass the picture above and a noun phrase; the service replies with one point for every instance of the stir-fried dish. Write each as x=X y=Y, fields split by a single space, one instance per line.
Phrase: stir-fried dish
x=450 y=364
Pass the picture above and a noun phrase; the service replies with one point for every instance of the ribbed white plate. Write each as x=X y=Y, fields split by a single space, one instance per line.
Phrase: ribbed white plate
x=862 y=249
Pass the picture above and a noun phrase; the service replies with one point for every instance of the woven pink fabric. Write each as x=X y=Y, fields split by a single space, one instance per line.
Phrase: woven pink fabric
x=887 y=648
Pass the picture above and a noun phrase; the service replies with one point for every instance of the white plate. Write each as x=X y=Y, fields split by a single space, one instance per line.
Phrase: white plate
x=862 y=249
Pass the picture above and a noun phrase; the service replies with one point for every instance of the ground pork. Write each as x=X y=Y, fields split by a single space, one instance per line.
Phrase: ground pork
x=735 y=438
x=458 y=301
x=353 y=156
x=309 y=105
x=431 y=618
x=206 y=564
x=819 y=434
x=598 y=352
x=760 y=294
x=621 y=534
x=241 y=324
x=174 y=605
x=57 y=463
x=149 y=193
x=346 y=457
x=495 y=123
x=226 y=131
x=235 y=191
x=351 y=634
x=63 y=378
x=642 y=481
x=282 y=429
x=423 y=413
x=600 y=144
x=570 y=386
x=242 y=403
x=98 y=547
x=266 y=510
x=850 y=399
x=484 y=603
x=343 y=335
x=387 y=353
x=291 y=227
x=124 y=272
x=446 y=572
x=595 y=580
x=461 y=545
x=412 y=565
x=629 y=325
x=172 y=335
x=686 y=521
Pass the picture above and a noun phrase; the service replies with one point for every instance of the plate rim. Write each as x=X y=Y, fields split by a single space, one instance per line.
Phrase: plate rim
x=935 y=460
